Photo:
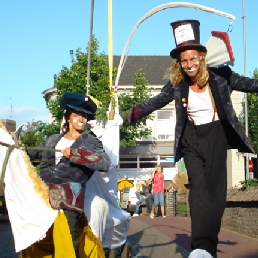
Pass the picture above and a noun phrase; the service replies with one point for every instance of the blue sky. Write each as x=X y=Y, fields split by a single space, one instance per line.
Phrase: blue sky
x=37 y=35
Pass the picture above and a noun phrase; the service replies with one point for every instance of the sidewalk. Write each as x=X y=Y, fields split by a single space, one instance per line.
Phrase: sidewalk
x=171 y=238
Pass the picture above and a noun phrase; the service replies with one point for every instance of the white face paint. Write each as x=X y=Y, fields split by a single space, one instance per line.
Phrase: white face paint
x=82 y=124
x=75 y=121
x=191 y=70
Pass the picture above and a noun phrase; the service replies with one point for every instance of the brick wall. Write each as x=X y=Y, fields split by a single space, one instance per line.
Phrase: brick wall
x=241 y=213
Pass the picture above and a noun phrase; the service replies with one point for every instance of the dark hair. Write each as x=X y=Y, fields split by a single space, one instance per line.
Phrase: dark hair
x=67 y=114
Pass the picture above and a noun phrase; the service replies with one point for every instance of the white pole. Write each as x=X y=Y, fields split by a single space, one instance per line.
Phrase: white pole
x=246 y=102
x=89 y=47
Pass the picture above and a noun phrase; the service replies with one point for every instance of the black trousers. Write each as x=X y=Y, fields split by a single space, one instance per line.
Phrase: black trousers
x=205 y=155
x=72 y=219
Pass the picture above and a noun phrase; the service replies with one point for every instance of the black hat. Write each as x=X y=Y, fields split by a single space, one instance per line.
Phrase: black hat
x=187 y=37
x=78 y=102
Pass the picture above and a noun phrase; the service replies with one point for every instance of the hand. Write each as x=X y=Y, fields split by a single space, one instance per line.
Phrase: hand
x=83 y=157
x=66 y=152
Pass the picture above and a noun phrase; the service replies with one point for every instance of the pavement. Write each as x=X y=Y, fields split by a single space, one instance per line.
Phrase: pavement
x=170 y=237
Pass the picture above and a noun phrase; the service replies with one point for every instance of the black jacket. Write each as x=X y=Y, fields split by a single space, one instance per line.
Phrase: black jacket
x=222 y=82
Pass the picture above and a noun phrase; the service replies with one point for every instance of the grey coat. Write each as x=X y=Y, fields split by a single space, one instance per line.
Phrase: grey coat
x=66 y=171
x=222 y=82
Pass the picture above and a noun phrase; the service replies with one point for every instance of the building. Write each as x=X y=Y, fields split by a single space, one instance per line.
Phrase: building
x=10 y=125
x=159 y=147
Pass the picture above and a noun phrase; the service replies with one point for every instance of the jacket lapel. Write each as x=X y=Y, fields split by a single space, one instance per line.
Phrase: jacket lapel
x=181 y=100
x=217 y=93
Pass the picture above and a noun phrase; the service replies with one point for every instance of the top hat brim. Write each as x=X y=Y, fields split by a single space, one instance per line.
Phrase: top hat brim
x=176 y=51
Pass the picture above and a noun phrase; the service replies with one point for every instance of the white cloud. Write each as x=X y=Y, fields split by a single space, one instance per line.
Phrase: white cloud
x=24 y=114
x=22 y=109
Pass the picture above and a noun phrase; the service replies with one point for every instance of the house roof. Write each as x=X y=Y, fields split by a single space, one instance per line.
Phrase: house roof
x=154 y=68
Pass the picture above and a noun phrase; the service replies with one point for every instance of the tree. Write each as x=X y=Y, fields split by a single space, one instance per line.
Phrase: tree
x=129 y=134
x=74 y=80
x=252 y=100
x=36 y=132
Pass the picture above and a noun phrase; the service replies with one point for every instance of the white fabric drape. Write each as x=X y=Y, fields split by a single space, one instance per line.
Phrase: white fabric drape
x=104 y=186
x=29 y=214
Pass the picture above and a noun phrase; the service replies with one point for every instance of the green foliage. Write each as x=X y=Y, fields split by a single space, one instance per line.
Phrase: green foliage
x=74 y=79
x=37 y=132
x=141 y=92
x=250 y=182
x=252 y=100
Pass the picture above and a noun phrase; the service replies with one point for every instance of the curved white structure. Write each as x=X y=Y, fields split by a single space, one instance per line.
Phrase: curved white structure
x=161 y=8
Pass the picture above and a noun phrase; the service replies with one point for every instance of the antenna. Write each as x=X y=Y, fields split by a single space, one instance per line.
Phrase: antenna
x=71 y=55
x=11 y=107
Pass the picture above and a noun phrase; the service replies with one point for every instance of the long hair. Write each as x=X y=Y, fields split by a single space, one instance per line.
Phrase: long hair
x=139 y=183
x=177 y=74
x=67 y=114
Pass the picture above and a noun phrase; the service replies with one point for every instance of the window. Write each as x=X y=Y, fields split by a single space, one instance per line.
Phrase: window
x=147 y=162
x=128 y=162
x=165 y=125
x=167 y=161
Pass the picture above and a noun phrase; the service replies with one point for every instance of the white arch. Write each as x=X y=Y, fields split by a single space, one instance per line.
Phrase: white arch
x=158 y=9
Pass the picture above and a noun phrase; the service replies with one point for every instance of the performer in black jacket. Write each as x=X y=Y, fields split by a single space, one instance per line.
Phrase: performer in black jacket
x=206 y=125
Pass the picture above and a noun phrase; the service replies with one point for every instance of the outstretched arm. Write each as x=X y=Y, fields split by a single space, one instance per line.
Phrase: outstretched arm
x=145 y=108
x=236 y=81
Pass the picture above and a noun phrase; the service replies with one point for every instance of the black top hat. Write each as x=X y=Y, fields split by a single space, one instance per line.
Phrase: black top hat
x=187 y=37
x=78 y=102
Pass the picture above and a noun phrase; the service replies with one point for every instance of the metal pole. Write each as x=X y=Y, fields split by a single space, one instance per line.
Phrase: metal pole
x=89 y=47
x=246 y=102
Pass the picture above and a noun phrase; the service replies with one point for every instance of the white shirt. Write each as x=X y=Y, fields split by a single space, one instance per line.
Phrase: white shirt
x=62 y=144
x=200 y=108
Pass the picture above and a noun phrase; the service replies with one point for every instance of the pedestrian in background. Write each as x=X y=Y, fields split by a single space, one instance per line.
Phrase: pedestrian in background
x=140 y=197
x=158 y=190
x=147 y=189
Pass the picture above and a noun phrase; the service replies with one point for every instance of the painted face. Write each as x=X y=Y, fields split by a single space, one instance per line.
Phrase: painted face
x=190 y=62
x=77 y=120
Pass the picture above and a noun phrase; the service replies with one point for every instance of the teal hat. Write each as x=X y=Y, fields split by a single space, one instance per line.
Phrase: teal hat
x=78 y=102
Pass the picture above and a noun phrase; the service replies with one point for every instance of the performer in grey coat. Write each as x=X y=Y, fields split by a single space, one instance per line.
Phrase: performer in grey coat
x=206 y=125
x=67 y=171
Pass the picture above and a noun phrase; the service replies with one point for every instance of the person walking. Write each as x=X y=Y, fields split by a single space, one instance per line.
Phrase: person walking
x=158 y=190
x=140 y=197
x=206 y=125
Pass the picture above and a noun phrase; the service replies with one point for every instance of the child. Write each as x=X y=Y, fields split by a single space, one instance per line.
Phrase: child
x=158 y=190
